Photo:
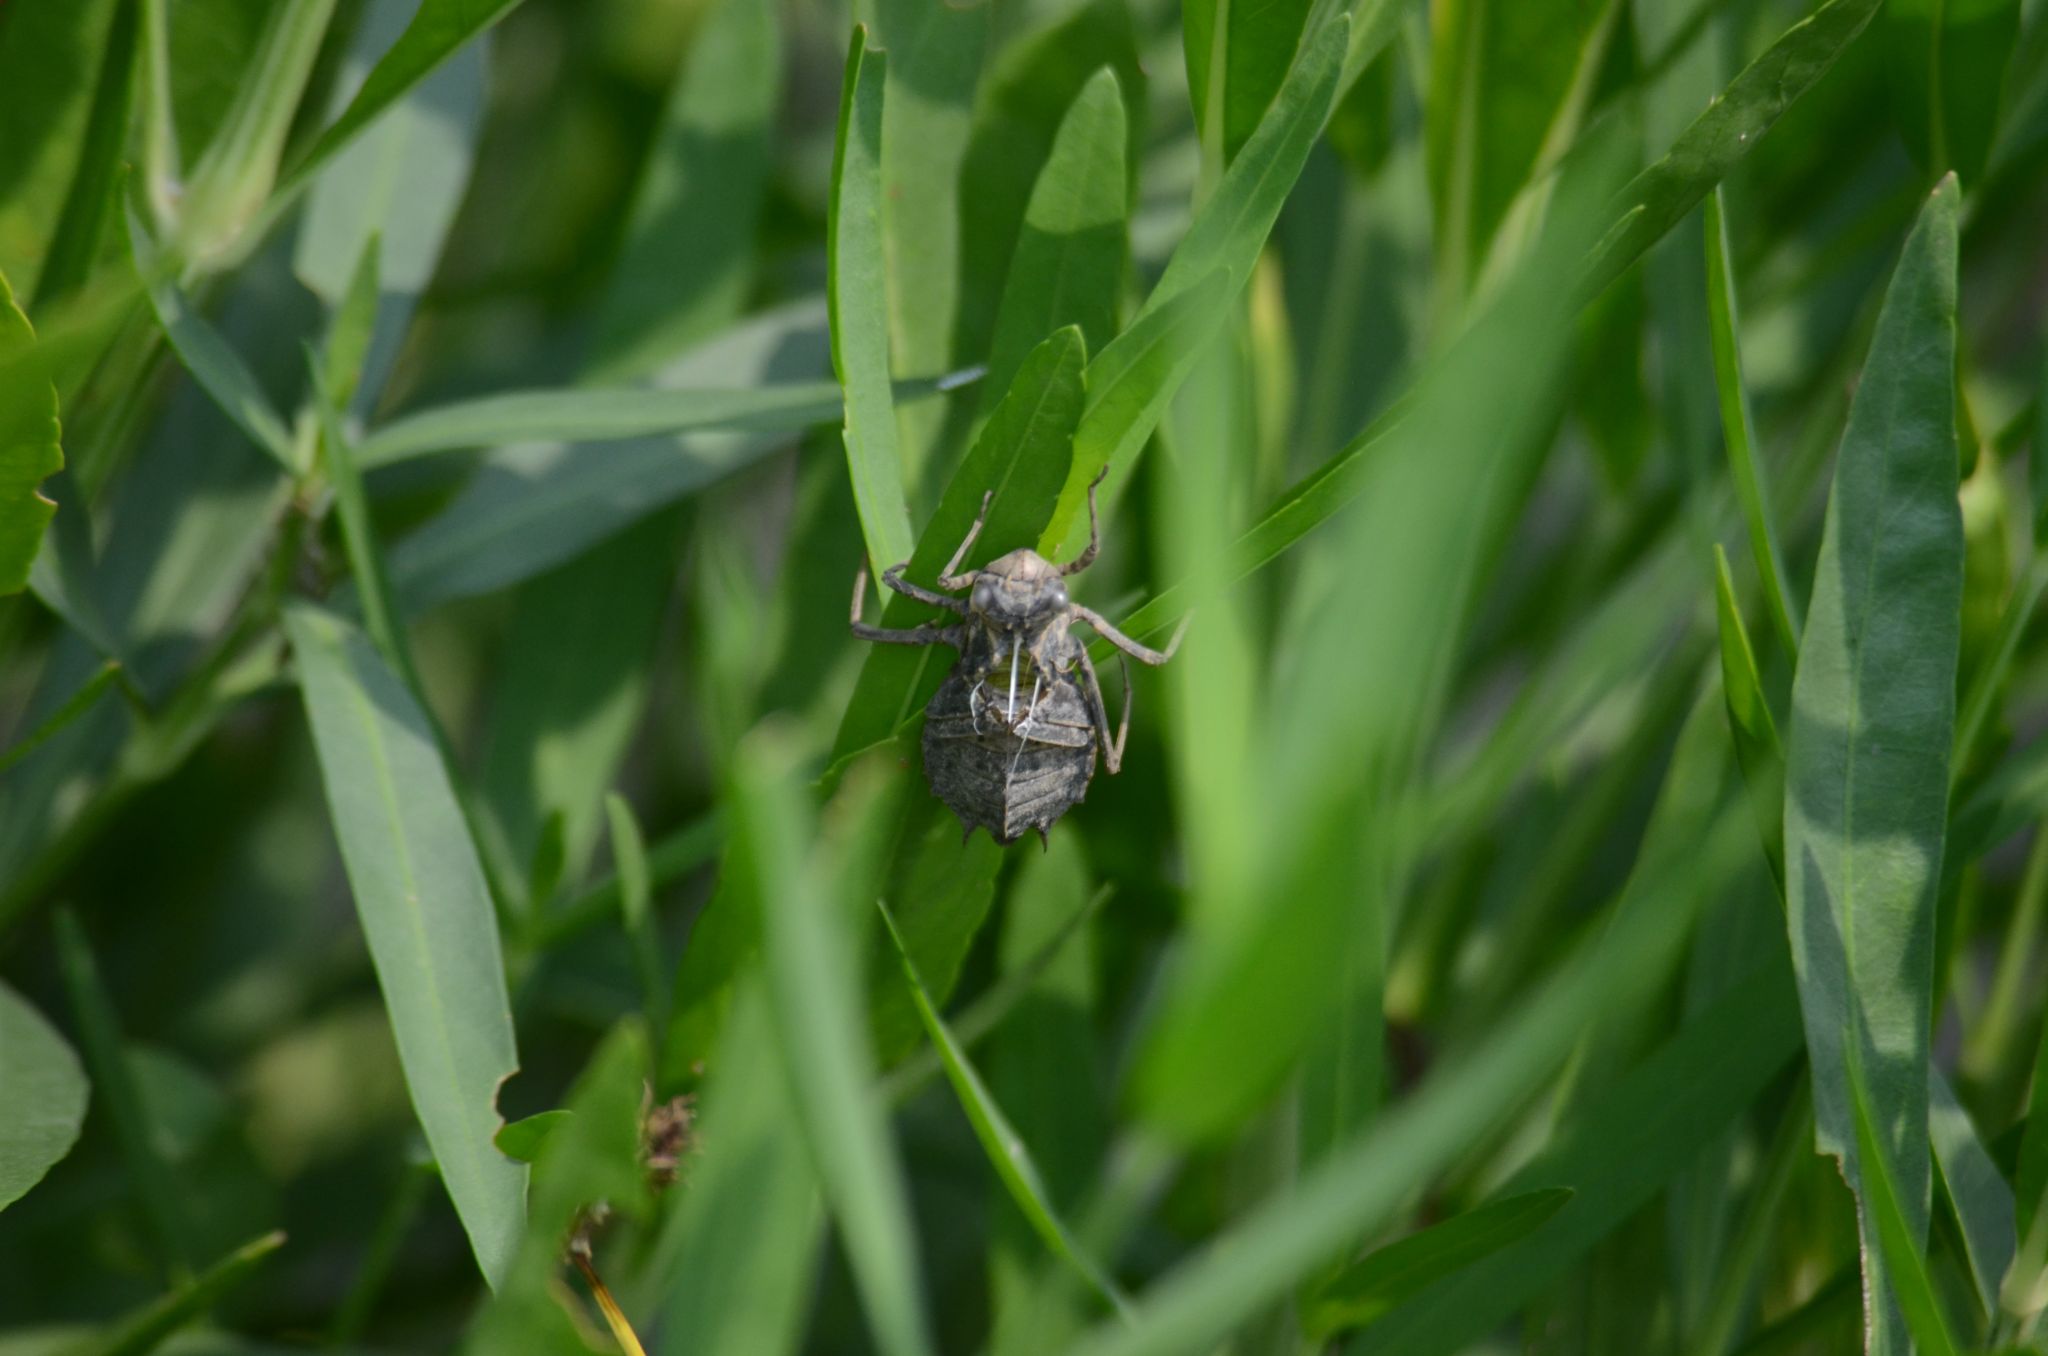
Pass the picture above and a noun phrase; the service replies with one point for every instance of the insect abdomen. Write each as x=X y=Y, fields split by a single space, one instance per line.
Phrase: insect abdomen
x=1008 y=778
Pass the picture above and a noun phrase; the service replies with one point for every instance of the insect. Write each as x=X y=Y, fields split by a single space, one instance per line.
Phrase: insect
x=1010 y=738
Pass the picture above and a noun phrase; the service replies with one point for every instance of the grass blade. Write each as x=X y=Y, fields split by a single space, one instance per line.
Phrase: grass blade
x=76 y=705
x=2030 y=1179
x=93 y=196
x=1901 y=1238
x=148 y=1328
x=597 y=414
x=1006 y=1151
x=1739 y=430
x=1235 y=67
x=1387 y=1277
x=46 y=1096
x=1757 y=749
x=29 y=446
x=1982 y=1201
x=857 y=290
x=813 y=983
x=1867 y=755
x=420 y=892
x=636 y=907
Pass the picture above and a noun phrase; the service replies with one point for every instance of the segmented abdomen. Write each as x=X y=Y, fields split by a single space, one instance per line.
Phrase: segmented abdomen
x=1004 y=777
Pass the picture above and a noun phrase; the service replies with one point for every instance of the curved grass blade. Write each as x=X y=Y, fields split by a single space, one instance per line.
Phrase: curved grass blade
x=857 y=292
x=1739 y=430
x=814 y=988
x=1901 y=1238
x=30 y=450
x=595 y=414
x=420 y=892
x=1383 y=1279
x=1867 y=754
x=1006 y=1151
x=148 y=1328
x=209 y=357
x=46 y=1096
x=1757 y=749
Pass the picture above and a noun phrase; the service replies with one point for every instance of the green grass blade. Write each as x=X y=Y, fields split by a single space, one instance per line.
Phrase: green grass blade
x=2030 y=1178
x=674 y=856
x=46 y=1096
x=30 y=450
x=359 y=535
x=149 y=1327
x=99 y=1031
x=1739 y=431
x=93 y=197
x=733 y=1264
x=857 y=290
x=1901 y=1237
x=636 y=906
x=1735 y=121
x=1873 y=721
x=426 y=910
x=1387 y=1277
x=1006 y=1151
x=1947 y=65
x=1980 y=1197
x=438 y=27
x=947 y=887
x=210 y=359
x=1237 y=55
x=813 y=983
x=1069 y=260
x=76 y=705
x=690 y=233
x=597 y=414
x=1022 y=458
x=1757 y=749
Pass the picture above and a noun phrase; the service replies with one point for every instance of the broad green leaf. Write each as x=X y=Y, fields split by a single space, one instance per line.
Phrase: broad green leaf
x=420 y=893
x=1739 y=431
x=1884 y=1216
x=1626 y=1144
x=1021 y=458
x=29 y=448
x=1982 y=1200
x=1006 y=1151
x=1867 y=753
x=1360 y=1187
x=92 y=200
x=437 y=29
x=160 y=1192
x=814 y=991
x=1749 y=719
x=733 y=1263
x=688 y=256
x=46 y=1096
x=1658 y=199
x=1069 y=261
x=857 y=290
x=598 y=414
x=147 y=1328
x=209 y=357
x=1388 y=1277
x=521 y=1140
x=1237 y=55
x=1947 y=60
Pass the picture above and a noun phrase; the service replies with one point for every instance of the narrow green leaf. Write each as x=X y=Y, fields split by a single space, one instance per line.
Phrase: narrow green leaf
x=597 y=414
x=76 y=705
x=2030 y=1179
x=1006 y=1151
x=1021 y=458
x=1948 y=60
x=159 y=1190
x=1069 y=261
x=93 y=197
x=209 y=357
x=1387 y=1277
x=2037 y=461
x=1658 y=199
x=46 y=1096
x=148 y=1328
x=677 y=854
x=857 y=290
x=947 y=886
x=352 y=329
x=814 y=988
x=1235 y=66
x=521 y=1140
x=29 y=447
x=436 y=30
x=636 y=906
x=359 y=535
x=1867 y=755
x=1757 y=748
x=1739 y=431
x=1982 y=1200
x=420 y=892
x=1902 y=1239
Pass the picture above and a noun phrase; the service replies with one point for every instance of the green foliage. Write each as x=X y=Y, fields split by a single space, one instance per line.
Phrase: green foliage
x=443 y=808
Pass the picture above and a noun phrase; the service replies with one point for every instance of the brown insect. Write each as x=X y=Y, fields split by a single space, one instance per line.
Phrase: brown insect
x=1002 y=755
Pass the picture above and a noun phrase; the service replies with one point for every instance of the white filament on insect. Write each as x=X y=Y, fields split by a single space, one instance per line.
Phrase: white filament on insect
x=1023 y=733
x=1011 y=715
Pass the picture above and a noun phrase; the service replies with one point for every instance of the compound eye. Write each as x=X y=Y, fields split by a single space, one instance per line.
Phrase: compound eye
x=1059 y=595
x=984 y=596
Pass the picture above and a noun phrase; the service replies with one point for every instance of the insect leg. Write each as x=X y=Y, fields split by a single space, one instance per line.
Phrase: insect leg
x=1112 y=749
x=1087 y=556
x=893 y=577
x=1131 y=647
x=949 y=580
x=927 y=634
